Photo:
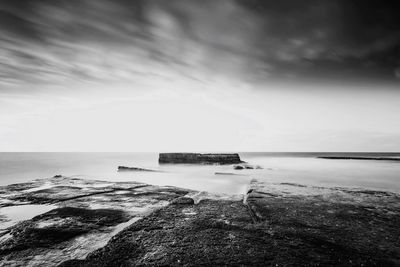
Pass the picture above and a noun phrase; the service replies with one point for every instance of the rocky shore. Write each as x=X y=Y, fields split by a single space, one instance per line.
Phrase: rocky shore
x=96 y=223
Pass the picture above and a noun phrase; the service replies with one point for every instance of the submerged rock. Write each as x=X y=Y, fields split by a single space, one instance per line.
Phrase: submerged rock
x=197 y=158
x=124 y=168
x=225 y=173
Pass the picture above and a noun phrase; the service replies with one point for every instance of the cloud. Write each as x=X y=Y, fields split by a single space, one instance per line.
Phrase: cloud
x=59 y=41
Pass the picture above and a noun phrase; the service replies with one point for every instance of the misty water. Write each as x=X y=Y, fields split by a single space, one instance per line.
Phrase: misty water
x=301 y=168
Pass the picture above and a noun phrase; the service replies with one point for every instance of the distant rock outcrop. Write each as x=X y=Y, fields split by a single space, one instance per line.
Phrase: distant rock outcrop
x=246 y=166
x=197 y=158
x=124 y=168
x=238 y=167
x=360 y=158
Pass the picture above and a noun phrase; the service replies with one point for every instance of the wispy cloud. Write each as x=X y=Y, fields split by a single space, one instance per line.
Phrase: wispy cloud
x=56 y=42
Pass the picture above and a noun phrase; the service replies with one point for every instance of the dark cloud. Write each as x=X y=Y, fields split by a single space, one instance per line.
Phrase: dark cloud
x=56 y=41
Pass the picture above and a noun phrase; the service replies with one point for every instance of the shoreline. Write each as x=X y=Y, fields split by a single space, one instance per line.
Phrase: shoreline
x=93 y=223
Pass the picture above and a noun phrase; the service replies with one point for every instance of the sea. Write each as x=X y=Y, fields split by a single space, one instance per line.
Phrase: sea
x=276 y=167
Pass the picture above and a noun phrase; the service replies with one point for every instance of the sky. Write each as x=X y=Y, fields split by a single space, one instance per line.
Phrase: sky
x=199 y=75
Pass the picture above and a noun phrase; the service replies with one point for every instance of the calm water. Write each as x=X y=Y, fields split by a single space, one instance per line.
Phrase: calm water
x=302 y=168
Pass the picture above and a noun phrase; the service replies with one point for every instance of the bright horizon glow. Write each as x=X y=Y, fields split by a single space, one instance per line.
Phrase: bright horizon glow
x=185 y=116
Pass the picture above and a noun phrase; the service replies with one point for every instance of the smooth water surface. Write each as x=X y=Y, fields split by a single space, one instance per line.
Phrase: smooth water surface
x=16 y=214
x=303 y=168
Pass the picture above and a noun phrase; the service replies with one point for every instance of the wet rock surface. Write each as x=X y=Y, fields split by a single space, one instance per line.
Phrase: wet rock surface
x=86 y=215
x=97 y=223
x=276 y=225
x=59 y=225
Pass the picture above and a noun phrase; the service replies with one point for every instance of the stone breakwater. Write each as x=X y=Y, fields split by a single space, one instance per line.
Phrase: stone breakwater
x=95 y=223
x=197 y=158
x=361 y=158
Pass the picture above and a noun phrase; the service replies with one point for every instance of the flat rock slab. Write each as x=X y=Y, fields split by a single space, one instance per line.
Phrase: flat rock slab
x=57 y=189
x=80 y=216
x=329 y=226
x=277 y=225
x=131 y=224
x=212 y=232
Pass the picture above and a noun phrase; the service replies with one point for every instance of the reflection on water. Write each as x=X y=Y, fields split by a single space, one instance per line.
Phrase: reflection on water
x=201 y=178
x=380 y=175
x=11 y=215
x=301 y=168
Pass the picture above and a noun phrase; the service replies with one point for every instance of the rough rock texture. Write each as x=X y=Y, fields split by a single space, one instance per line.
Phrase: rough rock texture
x=196 y=158
x=96 y=223
x=86 y=215
x=277 y=225
x=329 y=226
x=209 y=233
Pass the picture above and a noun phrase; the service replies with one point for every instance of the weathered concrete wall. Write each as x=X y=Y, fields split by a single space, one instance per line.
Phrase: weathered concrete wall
x=198 y=158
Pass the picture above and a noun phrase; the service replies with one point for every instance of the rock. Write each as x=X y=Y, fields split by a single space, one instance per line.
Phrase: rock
x=84 y=216
x=183 y=201
x=100 y=223
x=197 y=158
x=57 y=176
x=361 y=158
x=211 y=233
x=272 y=229
x=59 y=225
x=124 y=168
x=341 y=226
x=246 y=166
